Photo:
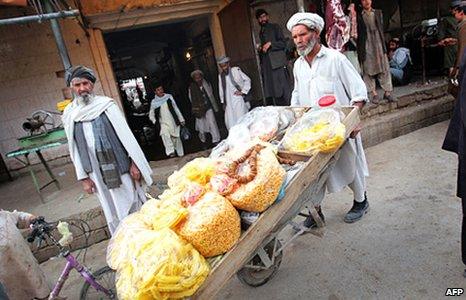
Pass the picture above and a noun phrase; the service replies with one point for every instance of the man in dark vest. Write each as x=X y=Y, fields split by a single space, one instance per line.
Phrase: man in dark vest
x=273 y=61
x=203 y=105
x=455 y=142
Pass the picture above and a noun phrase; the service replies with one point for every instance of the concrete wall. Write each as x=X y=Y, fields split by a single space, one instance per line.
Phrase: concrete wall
x=29 y=61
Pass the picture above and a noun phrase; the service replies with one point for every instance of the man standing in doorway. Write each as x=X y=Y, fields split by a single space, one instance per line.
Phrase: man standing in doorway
x=372 y=52
x=233 y=86
x=106 y=156
x=273 y=60
x=203 y=105
x=321 y=71
x=164 y=109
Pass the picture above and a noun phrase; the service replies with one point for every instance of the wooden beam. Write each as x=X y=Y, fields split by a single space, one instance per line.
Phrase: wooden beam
x=216 y=35
x=103 y=65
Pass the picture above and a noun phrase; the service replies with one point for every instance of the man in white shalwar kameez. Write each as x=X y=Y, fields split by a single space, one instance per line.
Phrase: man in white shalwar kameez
x=106 y=156
x=163 y=107
x=320 y=71
x=233 y=86
x=203 y=106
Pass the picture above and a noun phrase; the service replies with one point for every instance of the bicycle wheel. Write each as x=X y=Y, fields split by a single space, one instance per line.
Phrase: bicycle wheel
x=258 y=277
x=106 y=278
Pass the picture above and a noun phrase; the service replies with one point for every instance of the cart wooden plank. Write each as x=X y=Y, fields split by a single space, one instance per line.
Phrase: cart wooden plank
x=267 y=222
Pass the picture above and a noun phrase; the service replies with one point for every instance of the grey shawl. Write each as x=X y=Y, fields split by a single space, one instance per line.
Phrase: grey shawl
x=112 y=157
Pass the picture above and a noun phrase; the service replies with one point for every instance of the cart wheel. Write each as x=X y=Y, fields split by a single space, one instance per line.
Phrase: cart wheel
x=257 y=277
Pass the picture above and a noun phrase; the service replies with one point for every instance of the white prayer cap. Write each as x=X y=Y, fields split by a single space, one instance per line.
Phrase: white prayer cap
x=223 y=59
x=197 y=72
x=310 y=20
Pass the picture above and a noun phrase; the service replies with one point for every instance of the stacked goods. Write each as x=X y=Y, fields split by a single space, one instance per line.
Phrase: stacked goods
x=159 y=251
x=163 y=214
x=260 y=176
x=122 y=242
x=317 y=131
x=162 y=266
x=212 y=226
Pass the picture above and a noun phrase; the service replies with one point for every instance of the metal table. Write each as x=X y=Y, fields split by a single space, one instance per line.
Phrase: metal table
x=26 y=151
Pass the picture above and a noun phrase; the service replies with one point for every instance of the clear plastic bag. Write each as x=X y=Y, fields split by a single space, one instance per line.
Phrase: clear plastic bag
x=212 y=225
x=121 y=244
x=163 y=214
x=185 y=133
x=198 y=170
x=161 y=265
x=258 y=194
x=260 y=123
x=319 y=130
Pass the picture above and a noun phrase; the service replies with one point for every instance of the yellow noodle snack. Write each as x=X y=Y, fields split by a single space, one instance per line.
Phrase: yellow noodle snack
x=199 y=170
x=162 y=266
x=121 y=244
x=317 y=131
x=212 y=225
x=163 y=214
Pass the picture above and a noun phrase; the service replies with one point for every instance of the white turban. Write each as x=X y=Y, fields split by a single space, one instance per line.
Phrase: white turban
x=308 y=19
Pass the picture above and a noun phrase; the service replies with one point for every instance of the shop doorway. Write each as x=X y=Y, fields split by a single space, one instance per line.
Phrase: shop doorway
x=166 y=54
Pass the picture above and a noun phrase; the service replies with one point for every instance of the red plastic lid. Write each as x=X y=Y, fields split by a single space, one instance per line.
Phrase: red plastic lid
x=327 y=100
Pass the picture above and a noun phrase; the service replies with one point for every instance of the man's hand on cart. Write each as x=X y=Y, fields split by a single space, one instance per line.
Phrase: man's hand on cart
x=88 y=185
x=356 y=130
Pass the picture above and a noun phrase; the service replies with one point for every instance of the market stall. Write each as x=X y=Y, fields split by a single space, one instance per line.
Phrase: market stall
x=221 y=215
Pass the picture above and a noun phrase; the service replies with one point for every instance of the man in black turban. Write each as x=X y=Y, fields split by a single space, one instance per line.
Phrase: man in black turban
x=80 y=72
x=106 y=156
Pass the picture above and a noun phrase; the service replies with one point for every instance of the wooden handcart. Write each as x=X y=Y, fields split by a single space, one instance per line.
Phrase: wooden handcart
x=258 y=254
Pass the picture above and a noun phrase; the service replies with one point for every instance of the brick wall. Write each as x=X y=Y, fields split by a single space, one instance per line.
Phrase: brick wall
x=29 y=61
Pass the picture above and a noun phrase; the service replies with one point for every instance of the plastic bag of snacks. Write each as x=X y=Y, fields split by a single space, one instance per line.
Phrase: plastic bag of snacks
x=122 y=243
x=212 y=225
x=317 y=131
x=223 y=184
x=198 y=170
x=163 y=214
x=259 y=185
x=162 y=266
x=193 y=193
x=263 y=122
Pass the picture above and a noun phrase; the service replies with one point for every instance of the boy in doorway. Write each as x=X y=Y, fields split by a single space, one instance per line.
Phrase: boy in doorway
x=163 y=107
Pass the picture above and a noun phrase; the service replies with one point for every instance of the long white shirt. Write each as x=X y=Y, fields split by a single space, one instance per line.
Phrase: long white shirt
x=167 y=123
x=235 y=105
x=116 y=203
x=208 y=122
x=332 y=73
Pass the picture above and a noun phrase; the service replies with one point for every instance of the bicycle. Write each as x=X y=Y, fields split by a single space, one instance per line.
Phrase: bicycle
x=102 y=280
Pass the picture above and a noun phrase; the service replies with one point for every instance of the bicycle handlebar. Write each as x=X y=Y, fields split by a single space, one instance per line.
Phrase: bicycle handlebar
x=40 y=229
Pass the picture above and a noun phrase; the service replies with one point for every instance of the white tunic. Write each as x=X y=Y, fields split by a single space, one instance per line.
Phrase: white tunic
x=332 y=73
x=119 y=202
x=235 y=105
x=116 y=203
x=167 y=122
x=208 y=122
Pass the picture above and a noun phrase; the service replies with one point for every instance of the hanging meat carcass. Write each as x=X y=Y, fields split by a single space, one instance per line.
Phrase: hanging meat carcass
x=337 y=25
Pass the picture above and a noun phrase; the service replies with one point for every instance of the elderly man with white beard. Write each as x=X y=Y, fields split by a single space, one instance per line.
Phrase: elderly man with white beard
x=321 y=71
x=106 y=156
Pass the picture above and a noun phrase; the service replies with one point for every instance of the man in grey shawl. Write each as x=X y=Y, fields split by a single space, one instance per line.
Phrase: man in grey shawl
x=106 y=156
